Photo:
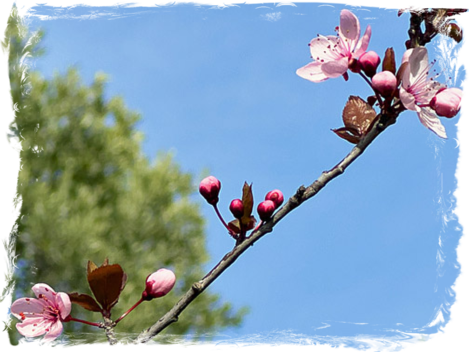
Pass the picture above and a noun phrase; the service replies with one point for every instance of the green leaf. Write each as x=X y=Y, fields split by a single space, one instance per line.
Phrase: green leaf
x=453 y=31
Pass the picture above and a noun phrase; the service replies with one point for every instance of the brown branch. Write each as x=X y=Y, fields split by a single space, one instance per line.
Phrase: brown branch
x=109 y=328
x=382 y=121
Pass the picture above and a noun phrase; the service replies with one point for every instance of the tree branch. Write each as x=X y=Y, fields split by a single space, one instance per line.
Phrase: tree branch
x=382 y=121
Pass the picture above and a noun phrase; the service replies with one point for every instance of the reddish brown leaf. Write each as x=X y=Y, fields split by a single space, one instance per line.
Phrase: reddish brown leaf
x=85 y=301
x=234 y=226
x=349 y=134
x=106 y=283
x=91 y=267
x=358 y=115
x=248 y=202
x=453 y=31
x=389 y=61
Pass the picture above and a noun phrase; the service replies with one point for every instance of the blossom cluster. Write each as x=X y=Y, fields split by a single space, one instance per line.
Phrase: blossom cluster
x=334 y=56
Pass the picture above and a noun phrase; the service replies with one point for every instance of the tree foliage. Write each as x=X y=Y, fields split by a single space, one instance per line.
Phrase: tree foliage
x=88 y=193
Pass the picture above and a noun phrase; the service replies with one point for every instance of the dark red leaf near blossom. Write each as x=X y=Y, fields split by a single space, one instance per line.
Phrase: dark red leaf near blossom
x=85 y=301
x=358 y=116
x=106 y=283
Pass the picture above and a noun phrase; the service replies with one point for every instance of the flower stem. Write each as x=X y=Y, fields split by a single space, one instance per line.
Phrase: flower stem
x=367 y=80
x=131 y=309
x=223 y=222
x=84 y=322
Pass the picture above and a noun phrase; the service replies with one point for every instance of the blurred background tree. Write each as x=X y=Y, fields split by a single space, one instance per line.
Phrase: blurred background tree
x=88 y=193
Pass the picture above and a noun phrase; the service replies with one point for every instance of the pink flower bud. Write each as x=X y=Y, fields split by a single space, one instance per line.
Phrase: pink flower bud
x=265 y=209
x=384 y=82
x=275 y=196
x=158 y=284
x=369 y=62
x=209 y=188
x=454 y=12
x=237 y=208
x=447 y=102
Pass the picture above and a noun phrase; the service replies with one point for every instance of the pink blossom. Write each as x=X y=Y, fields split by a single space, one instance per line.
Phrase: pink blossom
x=159 y=284
x=334 y=54
x=43 y=315
x=384 y=82
x=447 y=102
x=418 y=89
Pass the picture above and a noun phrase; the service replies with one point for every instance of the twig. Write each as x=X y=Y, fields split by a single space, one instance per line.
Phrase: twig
x=109 y=328
x=381 y=123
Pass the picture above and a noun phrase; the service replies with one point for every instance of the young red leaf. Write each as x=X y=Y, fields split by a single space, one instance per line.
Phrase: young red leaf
x=235 y=226
x=106 y=283
x=85 y=301
x=358 y=115
x=389 y=61
x=248 y=202
x=349 y=134
x=453 y=31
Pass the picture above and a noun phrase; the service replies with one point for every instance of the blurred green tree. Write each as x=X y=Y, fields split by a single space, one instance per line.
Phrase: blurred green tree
x=87 y=192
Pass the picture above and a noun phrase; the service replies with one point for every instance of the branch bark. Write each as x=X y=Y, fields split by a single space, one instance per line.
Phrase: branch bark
x=382 y=121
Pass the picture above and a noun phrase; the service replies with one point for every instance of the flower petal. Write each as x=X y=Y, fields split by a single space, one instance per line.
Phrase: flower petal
x=418 y=65
x=33 y=327
x=429 y=119
x=312 y=72
x=54 y=331
x=64 y=304
x=335 y=68
x=46 y=290
x=407 y=99
x=325 y=48
x=363 y=43
x=349 y=29
x=27 y=307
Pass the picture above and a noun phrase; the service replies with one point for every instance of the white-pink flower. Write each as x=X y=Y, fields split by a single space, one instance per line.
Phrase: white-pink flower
x=159 y=284
x=418 y=89
x=333 y=54
x=43 y=315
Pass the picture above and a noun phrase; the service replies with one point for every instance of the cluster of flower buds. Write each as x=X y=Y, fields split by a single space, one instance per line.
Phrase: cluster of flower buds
x=241 y=209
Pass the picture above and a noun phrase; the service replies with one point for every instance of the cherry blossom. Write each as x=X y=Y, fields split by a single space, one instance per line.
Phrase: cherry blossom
x=418 y=89
x=43 y=315
x=334 y=54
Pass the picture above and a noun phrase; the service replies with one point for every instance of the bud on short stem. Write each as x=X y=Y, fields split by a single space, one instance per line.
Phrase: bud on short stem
x=209 y=188
x=237 y=208
x=447 y=102
x=385 y=83
x=369 y=62
x=265 y=209
x=275 y=196
x=158 y=284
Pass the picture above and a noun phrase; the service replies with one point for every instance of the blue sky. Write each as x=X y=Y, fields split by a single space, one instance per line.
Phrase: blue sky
x=374 y=252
